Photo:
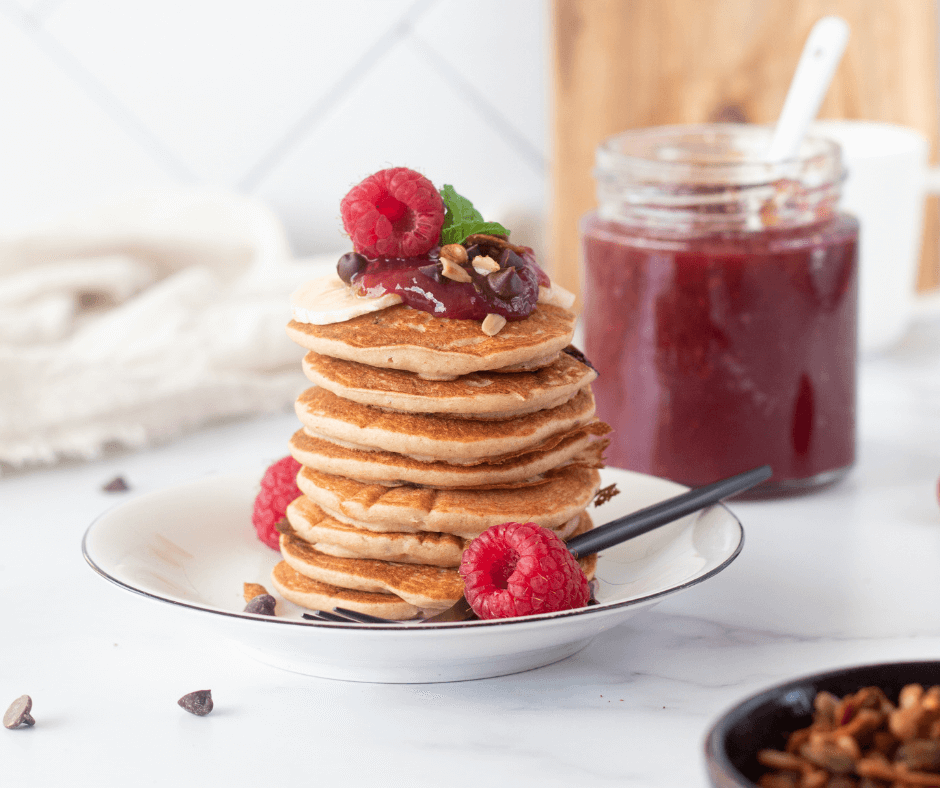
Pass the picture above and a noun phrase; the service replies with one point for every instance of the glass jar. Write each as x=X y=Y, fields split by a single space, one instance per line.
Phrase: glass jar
x=719 y=297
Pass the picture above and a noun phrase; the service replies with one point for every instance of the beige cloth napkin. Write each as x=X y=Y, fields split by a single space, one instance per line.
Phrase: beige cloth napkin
x=132 y=323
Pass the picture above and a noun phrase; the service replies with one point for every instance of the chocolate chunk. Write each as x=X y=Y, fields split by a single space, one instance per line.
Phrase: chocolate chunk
x=505 y=283
x=572 y=351
x=198 y=702
x=349 y=265
x=509 y=259
x=117 y=484
x=18 y=713
x=432 y=272
x=262 y=605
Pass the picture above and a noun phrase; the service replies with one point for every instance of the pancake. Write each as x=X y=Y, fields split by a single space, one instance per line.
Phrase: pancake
x=334 y=537
x=495 y=394
x=426 y=587
x=559 y=496
x=439 y=348
x=314 y=595
x=436 y=436
x=350 y=540
x=580 y=447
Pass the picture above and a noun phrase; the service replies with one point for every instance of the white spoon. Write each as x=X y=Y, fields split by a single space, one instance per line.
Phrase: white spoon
x=821 y=54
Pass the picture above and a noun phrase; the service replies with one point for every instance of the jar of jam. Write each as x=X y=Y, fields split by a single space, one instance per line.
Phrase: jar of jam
x=719 y=296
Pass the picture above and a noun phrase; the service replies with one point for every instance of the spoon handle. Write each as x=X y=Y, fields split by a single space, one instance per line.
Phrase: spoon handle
x=664 y=512
x=814 y=71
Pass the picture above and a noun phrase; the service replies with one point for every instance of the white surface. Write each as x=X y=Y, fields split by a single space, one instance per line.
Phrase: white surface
x=885 y=189
x=193 y=546
x=848 y=575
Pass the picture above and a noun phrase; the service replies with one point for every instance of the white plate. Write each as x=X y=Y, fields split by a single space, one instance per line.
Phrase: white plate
x=194 y=546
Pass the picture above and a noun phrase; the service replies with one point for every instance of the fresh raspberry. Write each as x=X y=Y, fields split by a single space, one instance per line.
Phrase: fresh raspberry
x=278 y=489
x=394 y=213
x=519 y=569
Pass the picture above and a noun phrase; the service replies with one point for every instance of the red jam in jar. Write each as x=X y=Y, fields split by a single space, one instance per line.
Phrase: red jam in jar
x=720 y=307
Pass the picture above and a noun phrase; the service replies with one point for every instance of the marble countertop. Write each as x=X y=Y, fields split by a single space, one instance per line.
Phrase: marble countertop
x=845 y=576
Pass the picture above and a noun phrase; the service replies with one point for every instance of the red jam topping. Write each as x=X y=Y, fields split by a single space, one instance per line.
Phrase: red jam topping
x=511 y=291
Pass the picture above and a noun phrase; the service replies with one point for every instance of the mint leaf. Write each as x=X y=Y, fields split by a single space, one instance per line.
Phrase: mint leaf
x=461 y=219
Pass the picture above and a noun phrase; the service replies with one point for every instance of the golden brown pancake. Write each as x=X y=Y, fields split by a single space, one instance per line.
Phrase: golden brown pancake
x=334 y=537
x=439 y=348
x=314 y=595
x=490 y=394
x=558 y=497
x=426 y=587
x=580 y=447
x=436 y=436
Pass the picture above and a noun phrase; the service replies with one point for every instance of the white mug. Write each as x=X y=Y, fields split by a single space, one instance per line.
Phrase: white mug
x=887 y=180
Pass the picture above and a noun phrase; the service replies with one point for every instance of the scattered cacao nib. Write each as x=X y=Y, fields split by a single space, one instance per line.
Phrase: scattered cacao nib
x=572 y=351
x=19 y=713
x=605 y=494
x=117 y=484
x=262 y=605
x=198 y=702
x=251 y=590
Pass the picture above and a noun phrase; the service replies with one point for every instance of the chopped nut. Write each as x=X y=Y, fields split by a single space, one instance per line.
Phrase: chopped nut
x=776 y=759
x=779 y=780
x=493 y=324
x=828 y=756
x=814 y=778
x=484 y=264
x=456 y=253
x=862 y=741
x=451 y=270
x=919 y=754
x=251 y=590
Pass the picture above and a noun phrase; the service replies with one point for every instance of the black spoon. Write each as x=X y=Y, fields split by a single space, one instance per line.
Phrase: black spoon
x=615 y=532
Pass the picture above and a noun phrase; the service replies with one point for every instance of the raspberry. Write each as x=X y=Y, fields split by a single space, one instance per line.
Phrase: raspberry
x=519 y=569
x=394 y=213
x=278 y=489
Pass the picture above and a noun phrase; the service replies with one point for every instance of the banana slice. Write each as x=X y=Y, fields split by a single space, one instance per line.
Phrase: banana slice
x=556 y=295
x=327 y=300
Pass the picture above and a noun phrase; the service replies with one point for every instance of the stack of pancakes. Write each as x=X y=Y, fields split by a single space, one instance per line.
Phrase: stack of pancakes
x=418 y=434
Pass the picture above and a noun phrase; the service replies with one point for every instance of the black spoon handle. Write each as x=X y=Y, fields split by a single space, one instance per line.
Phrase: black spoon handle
x=658 y=514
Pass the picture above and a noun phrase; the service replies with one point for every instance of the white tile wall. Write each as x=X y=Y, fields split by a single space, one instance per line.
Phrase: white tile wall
x=290 y=100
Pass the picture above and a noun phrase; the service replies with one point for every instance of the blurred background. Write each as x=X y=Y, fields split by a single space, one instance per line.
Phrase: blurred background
x=290 y=101
x=220 y=135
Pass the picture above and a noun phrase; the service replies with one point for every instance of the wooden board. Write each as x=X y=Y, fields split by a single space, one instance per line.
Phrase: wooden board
x=621 y=64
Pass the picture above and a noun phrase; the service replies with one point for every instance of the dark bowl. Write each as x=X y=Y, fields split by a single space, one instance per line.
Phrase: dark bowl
x=767 y=719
